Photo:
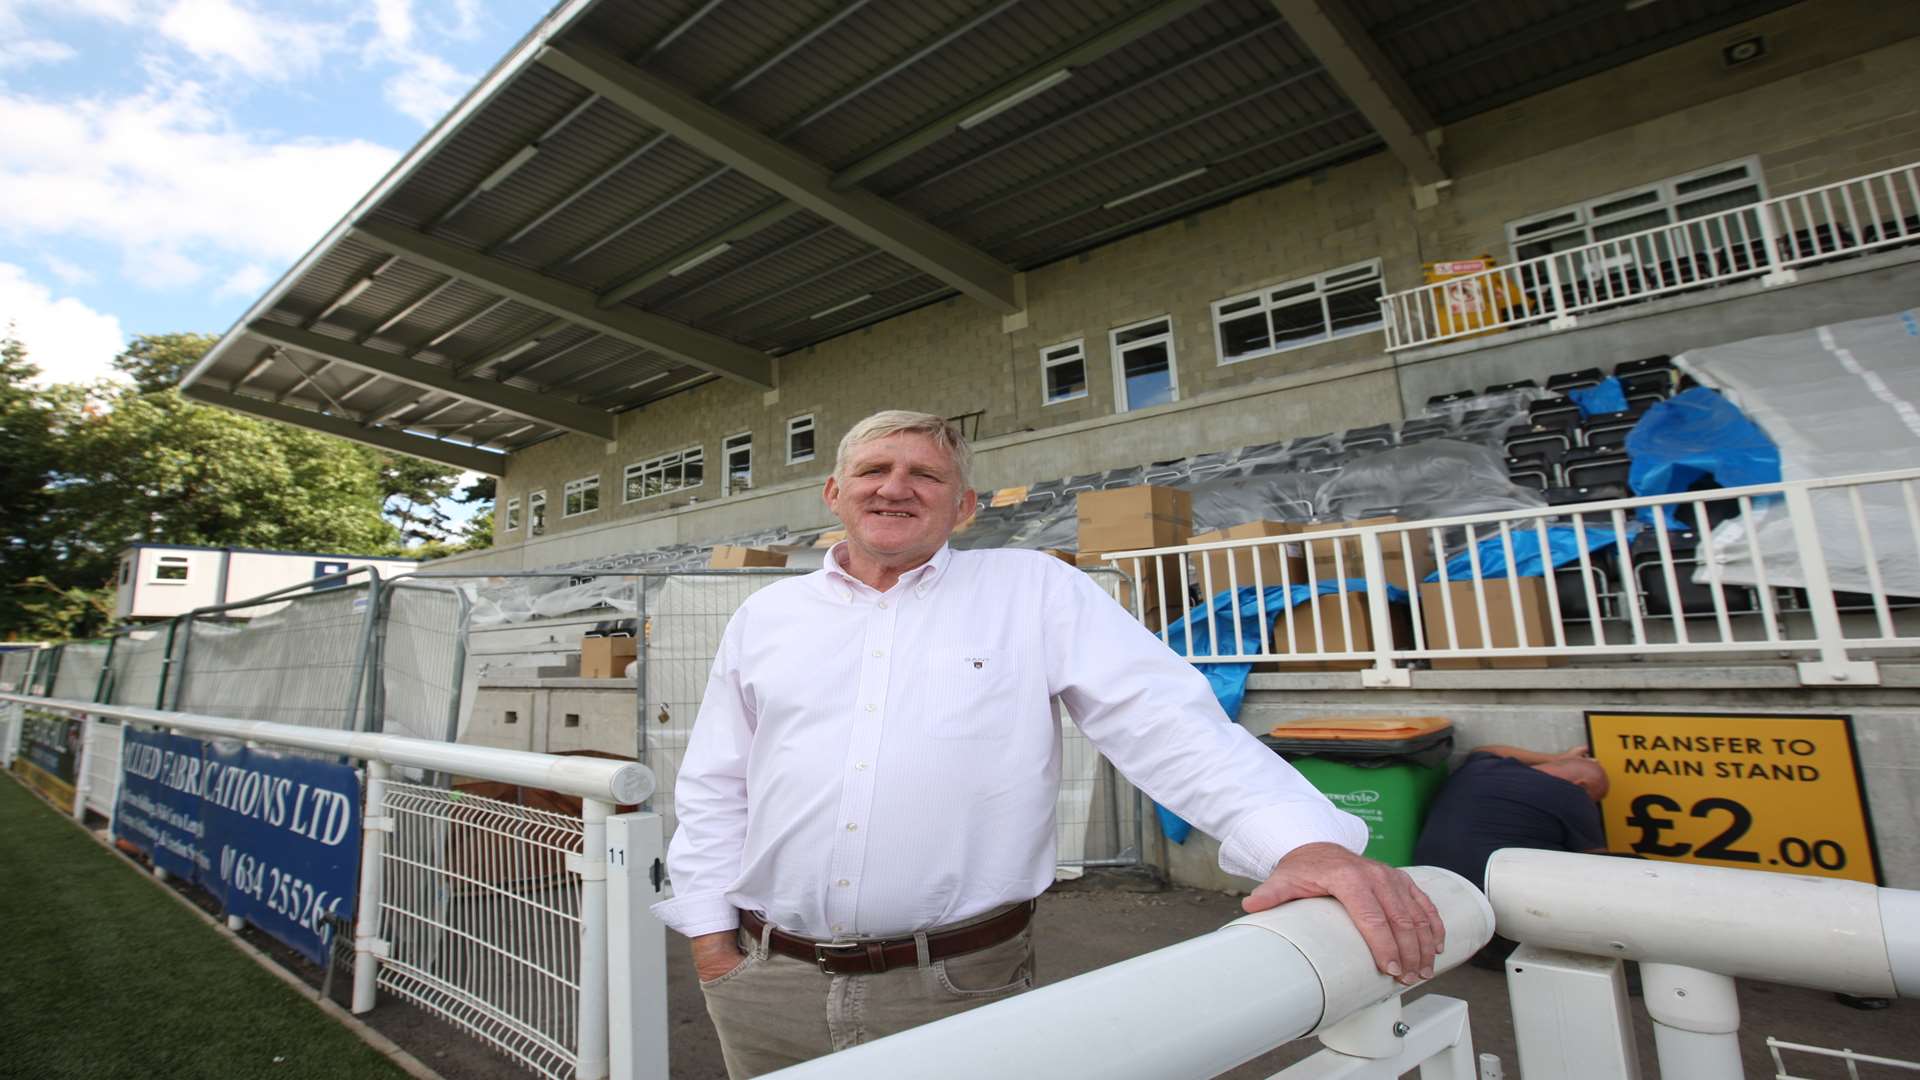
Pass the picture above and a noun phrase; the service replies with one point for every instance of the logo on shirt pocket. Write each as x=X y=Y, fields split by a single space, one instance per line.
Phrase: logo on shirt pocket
x=974 y=694
x=978 y=662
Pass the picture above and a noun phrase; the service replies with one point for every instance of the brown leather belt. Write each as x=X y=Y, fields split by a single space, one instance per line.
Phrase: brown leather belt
x=874 y=957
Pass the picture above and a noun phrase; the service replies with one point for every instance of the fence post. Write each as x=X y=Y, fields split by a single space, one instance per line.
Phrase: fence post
x=1383 y=672
x=636 y=948
x=180 y=667
x=591 y=1055
x=1561 y=320
x=101 y=684
x=1770 y=248
x=83 y=768
x=1834 y=665
x=368 y=947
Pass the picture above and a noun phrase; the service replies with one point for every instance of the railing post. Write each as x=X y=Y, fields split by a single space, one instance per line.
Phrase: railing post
x=1696 y=1021
x=1834 y=665
x=636 y=949
x=1770 y=248
x=591 y=1055
x=1562 y=319
x=368 y=946
x=1383 y=673
x=83 y=769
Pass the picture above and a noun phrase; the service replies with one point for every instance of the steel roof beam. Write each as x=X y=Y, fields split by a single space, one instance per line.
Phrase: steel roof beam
x=776 y=166
x=446 y=453
x=1089 y=49
x=438 y=379
x=1368 y=79
x=710 y=352
x=510 y=350
x=764 y=217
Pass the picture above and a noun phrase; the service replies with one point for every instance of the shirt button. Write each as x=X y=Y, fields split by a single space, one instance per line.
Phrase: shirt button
x=883 y=605
x=878 y=653
x=838 y=928
x=843 y=883
x=860 y=765
x=851 y=827
x=871 y=707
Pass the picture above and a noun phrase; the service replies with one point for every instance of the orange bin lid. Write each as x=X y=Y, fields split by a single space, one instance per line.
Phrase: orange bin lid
x=1357 y=728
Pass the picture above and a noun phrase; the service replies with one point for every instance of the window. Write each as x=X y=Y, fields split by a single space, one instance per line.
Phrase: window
x=126 y=571
x=1063 y=372
x=582 y=496
x=1298 y=313
x=171 y=569
x=668 y=472
x=736 y=459
x=326 y=567
x=513 y=515
x=537 y=513
x=1143 y=365
x=1664 y=202
x=800 y=439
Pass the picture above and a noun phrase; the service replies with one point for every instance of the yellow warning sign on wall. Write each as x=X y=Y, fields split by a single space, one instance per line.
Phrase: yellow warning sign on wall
x=1778 y=793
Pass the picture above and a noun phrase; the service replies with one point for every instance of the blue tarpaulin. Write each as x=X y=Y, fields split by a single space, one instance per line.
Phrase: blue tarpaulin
x=1697 y=435
x=1228 y=678
x=1563 y=546
x=1608 y=397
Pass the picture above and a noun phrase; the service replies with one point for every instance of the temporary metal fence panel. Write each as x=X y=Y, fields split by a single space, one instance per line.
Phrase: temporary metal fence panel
x=14 y=666
x=1628 y=589
x=1767 y=240
x=78 y=675
x=302 y=663
x=422 y=659
x=100 y=755
x=137 y=667
x=481 y=910
x=1100 y=819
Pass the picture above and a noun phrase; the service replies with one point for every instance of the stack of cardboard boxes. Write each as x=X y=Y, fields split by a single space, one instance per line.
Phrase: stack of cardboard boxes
x=1131 y=518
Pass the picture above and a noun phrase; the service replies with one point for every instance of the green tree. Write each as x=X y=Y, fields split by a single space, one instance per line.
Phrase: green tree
x=157 y=362
x=27 y=456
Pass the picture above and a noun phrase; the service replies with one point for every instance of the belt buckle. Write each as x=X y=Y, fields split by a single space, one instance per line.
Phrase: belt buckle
x=825 y=954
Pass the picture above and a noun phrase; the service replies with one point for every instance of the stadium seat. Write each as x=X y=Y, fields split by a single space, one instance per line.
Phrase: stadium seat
x=1651 y=581
x=1258 y=452
x=1118 y=478
x=1074 y=485
x=1574 y=380
x=1308 y=444
x=1592 y=466
x=1171 y=472
x=1443 y=400
x=1421 y=430
x=1518 y=384
x=1537 y=471
x=1649 y=374
x=1569 y=496
x=1537 y=437
x=1609 y=429
x=1550 y=410
x=1375 y=438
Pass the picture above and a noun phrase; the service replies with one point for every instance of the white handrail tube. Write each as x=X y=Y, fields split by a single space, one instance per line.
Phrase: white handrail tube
x=1822 y=933
x=620 y=782
x=1232 y=995
x=1696 y=1022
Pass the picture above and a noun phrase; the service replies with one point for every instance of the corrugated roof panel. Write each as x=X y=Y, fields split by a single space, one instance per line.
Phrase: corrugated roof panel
x=876 y=39
x=796 y=231
x=822 y=255
x=490 y=331
x=391 y=289
x=796 y=324
x=732 y=41
x=613 y=204
x=593 y=141
x=441 y=313
x=709 y=202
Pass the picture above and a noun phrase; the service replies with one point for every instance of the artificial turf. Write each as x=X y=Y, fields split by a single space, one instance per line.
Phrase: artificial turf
x=105 y=977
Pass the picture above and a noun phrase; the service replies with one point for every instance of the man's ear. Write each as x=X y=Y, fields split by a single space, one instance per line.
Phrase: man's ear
x=831 y=492
x=969 y=502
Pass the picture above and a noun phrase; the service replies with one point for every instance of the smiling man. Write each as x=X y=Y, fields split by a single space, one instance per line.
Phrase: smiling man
x=867 y=802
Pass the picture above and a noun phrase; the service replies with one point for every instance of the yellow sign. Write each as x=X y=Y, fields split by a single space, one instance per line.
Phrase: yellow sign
x=1778 y=793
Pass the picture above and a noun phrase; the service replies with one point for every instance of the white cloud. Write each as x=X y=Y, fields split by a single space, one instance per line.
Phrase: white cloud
x=394 y=19
x=66 y=339
x=425 y=88
x=25 y=52
x=160 y=175
x=262 y=46
x=160 y=268
x=248 y=281
x=69 y=273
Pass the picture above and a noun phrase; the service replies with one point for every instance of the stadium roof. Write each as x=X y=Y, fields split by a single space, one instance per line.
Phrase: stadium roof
x=646 y=195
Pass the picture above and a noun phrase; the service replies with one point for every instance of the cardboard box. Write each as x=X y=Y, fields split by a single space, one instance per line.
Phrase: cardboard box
x=734 y=557
x=1269 y=558
x=1353 y=561
x=1161 y=594
x=1337 y=615
x=830 y=538
x=1071 y=558
x=606 y=657
x=1504 y=631
x=1124 y=519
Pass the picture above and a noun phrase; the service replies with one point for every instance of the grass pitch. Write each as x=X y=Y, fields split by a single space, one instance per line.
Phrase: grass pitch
x=105 y=977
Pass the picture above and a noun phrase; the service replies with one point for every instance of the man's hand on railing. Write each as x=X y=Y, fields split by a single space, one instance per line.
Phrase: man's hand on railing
x=1399 y=924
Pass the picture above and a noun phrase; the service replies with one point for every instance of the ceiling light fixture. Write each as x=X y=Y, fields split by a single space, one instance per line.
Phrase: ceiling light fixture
x=253 y=372
x=711 y=253
x=509 y=167
x=1151 y=188
x=861 y=299
x=1030 y=90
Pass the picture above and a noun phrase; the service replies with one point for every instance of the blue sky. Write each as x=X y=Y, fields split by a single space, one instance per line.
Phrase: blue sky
x=163 y=162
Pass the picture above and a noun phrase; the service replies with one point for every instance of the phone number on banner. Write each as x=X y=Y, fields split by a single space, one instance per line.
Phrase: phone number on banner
x=283 y=894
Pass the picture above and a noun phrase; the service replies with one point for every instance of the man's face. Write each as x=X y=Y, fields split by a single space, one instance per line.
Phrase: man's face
x=900 y=498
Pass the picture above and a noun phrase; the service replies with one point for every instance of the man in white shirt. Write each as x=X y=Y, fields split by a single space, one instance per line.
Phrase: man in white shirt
x=866 y=804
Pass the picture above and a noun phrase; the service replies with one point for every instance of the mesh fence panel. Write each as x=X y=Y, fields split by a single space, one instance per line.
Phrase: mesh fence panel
x=133 y=676
x=78 y=676
x=421 y=659
x=483 y=918
x=294 y=665
x=14 y=666
x=103 y=765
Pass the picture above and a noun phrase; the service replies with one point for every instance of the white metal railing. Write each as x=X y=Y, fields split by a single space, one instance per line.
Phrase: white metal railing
x=1253 y=985
x=1767 y=239
x=527 y=927
x=1821 y=568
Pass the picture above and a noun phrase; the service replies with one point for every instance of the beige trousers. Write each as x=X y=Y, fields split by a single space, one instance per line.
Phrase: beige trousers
x=773 y=1011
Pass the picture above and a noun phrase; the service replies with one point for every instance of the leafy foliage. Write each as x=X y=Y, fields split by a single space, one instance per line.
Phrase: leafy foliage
x=90 y=470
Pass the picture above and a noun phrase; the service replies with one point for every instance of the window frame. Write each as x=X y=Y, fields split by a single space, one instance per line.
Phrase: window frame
x=794 y=428
x=1047 y=364
x=726 y=462
x=1117 y=355
x=512 y=524
x=1317 y=286
x=1668 y=199
x=536 y=519
x=680 y=458
x=580 y=487
x=163 y=562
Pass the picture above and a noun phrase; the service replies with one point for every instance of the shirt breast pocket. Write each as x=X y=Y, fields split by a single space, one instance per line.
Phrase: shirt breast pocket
x=972 y=694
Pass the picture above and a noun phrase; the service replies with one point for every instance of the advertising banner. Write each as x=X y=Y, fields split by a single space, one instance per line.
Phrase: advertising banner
x=1761 y=792
x=49 y=753
x=275 y=837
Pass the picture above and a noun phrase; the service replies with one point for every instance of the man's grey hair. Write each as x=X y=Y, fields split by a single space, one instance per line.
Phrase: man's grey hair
x=944 y=433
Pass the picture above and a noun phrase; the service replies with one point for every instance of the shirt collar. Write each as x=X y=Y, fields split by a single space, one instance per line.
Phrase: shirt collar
x=920 y=579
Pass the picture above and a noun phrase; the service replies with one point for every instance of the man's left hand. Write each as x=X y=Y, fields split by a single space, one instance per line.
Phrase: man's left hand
x=1400 y=925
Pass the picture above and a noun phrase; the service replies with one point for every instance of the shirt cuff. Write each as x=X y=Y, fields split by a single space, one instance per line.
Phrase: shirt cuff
x=699 y=913
x=1265 y=837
